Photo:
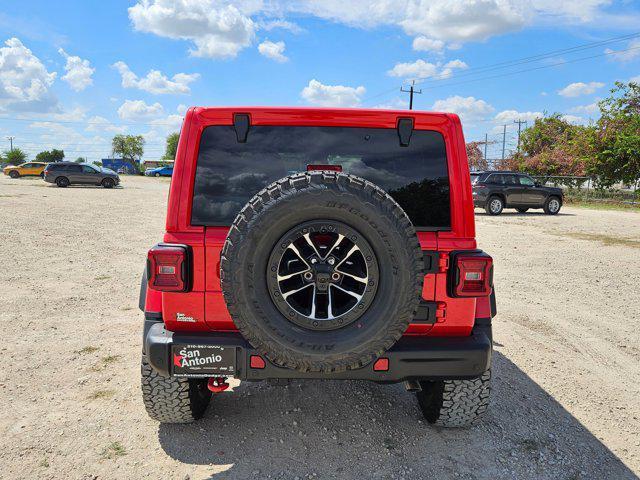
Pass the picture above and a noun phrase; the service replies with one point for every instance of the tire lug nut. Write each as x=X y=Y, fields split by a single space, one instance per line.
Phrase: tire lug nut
x=308 y=276
x=335 y=276
x=331 y=261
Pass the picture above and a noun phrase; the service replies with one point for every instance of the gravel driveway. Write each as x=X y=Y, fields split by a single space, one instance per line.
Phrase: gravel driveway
x=566 y=402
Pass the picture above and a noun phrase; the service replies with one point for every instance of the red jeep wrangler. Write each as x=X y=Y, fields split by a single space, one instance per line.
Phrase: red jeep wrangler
x=318 y=244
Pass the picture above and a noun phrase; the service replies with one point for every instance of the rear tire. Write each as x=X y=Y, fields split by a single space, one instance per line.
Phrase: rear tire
x=62 y=182
x=157 y=174
x=14 y=174
x=494 y=205
x=108 y=183
x=522 y=210
x=552 y=206
x=455 y=403
x=171 y=399
x=322 y=203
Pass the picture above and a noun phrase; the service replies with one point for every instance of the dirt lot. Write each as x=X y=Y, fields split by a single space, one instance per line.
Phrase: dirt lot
x=566 y=402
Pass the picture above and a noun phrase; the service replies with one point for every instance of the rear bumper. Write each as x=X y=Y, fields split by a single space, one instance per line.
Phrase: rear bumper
x=411 y=358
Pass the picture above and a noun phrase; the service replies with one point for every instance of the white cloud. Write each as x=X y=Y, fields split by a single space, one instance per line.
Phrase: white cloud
x=395 y=104
x=73 y=143
x=155 y=82
x=280 y=24
x=182 y=109
x=580 y=88
x=79 y=71
x=632 y=51
x=509 y=116
x=332 y=95
x=24 y=81
x=635 y=79
x=221 y=28
x=218 y=29
x=421 y=69
x=591 y=109
x=138 y=110
x=574 y=119
x=425 y=44
x=101 y=124
x=450 y=66
x=469 y=109
x=273 y=50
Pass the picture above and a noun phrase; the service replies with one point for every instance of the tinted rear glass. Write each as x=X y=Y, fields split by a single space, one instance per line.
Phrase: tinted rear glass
x=229 y=173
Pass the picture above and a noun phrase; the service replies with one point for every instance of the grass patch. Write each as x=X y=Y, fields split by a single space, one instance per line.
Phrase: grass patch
x=105 y=362
x=88 y=349
x=103 y=277
x=109 y=359
x=113 y=450
x=44 y=463
x=125 y=309
x=605 y=239
x=102 y=394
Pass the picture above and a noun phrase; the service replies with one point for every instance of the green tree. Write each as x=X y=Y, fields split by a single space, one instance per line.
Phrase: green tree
x=15 y=156
x=553 y=146
x=129 y=147
x=47 y=156
x=475 y=156
x=172 y=146
x=81 y=160
x=616 y=141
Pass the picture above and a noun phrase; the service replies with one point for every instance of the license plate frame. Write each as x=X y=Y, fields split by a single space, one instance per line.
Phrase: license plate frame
x=194 y=360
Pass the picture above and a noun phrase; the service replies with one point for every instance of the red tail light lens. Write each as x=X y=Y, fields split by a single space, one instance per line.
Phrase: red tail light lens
x=333 y=168
x=473 y=275
x=168 y=268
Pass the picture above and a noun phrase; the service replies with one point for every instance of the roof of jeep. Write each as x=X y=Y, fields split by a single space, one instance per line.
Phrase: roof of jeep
x=323 y=111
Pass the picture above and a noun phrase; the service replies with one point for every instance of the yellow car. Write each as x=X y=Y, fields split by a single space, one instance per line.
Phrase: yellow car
x=29 y=168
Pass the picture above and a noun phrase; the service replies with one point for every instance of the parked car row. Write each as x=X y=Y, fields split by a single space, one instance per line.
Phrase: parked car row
x=64 y=174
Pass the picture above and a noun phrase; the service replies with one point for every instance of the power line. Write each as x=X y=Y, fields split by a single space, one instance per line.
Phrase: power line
x=534 y=58
x=520 y=123
x=520 y=61
x=411 y=91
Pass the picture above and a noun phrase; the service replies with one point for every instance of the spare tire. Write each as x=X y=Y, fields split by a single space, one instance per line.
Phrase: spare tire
x=322 y=272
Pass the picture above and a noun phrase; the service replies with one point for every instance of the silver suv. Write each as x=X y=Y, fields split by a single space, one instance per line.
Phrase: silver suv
x=64 y=174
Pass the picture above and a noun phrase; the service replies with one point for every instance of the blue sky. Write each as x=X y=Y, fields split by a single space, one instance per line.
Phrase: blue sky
x=74 y=73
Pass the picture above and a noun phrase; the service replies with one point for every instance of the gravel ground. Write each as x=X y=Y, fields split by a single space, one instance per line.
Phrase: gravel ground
x=567 y=377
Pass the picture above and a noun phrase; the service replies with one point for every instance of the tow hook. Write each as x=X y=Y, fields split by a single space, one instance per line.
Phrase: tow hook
x=217 y=384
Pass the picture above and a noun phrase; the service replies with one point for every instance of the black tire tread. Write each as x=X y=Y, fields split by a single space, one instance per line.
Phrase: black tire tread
x=455 y=403
x=168 y=399
x=339 y=182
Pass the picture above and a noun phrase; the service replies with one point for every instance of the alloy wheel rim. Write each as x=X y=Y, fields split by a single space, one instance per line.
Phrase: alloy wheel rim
x=495 y=205
x=322 y=275
x=554 y=205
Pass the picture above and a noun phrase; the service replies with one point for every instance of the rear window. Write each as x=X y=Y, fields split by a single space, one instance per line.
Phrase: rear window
x=229 y=173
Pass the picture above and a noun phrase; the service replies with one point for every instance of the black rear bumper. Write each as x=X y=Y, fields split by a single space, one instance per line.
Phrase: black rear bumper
x=411 y=358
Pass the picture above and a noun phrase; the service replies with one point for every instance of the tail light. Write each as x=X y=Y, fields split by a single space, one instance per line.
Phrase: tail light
x=168 y=268
x=471 y=275
x=333 y=168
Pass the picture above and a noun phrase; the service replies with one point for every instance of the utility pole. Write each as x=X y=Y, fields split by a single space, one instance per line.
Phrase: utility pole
x=411 y=91
x=519 y=122
x=486 y=141
x=504 y=139
x=11 y=142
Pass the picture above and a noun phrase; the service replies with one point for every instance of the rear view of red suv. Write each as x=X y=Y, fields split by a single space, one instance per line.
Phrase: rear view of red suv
x=319 y=244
